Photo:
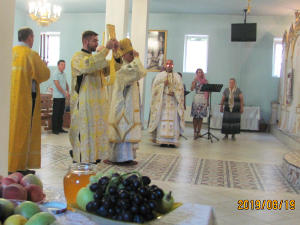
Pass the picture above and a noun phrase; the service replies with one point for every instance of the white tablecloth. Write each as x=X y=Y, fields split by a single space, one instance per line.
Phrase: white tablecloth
x=188 y=213
x=249 y=119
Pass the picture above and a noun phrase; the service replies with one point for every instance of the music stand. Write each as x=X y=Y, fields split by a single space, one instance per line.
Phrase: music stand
x=210 y=88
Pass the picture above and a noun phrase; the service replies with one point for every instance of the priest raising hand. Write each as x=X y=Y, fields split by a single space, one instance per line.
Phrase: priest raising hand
x=88 y=131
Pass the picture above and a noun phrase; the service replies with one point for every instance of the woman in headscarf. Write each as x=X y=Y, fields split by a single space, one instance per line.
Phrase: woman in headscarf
x=232 y=104
x=200 y=102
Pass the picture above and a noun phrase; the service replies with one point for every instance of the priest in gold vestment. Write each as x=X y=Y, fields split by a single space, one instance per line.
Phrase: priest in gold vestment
x=28 y=71
x=88 y=103
x=124 y=117
x=167 y=107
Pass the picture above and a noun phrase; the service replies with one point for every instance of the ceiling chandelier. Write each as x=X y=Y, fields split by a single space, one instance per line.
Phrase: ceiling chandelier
x=249 y=7
x=43 y=12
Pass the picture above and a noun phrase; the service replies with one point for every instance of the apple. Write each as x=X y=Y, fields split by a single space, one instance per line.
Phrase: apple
x=35 y=193
x=14 y=191
x=84 y=196
x=7 y=208
x=27 y=209
x=15 y=220
x=17 y=176
x=166 y=203
x=31 y=179
x=7 y=181
x=41 y=218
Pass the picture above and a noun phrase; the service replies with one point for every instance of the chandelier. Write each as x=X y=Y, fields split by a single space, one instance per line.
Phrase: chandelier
x=249 y=7
x=43 y=12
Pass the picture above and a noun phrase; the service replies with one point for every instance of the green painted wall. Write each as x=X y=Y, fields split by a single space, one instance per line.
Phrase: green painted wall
x=249 y=63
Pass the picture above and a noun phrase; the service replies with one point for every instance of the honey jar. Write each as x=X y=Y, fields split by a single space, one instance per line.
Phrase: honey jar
x=76 y=178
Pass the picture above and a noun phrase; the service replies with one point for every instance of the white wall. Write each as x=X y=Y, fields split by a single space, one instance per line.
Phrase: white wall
x=6 y=42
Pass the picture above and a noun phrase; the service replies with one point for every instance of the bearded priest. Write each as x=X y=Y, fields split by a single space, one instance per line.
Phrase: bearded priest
x=167 y=107
x=89 y=107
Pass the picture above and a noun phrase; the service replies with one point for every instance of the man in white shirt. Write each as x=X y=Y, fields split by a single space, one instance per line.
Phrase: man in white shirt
x=60 y=93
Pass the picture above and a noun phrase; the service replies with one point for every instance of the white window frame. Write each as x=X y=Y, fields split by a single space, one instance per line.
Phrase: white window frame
x=276 y=41
x=186 y=37
x=44 y=47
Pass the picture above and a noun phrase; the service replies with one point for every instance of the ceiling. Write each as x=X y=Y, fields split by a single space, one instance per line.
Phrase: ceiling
x=230 y=7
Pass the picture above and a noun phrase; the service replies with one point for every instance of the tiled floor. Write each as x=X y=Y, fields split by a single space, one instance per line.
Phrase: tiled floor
x=217 y=174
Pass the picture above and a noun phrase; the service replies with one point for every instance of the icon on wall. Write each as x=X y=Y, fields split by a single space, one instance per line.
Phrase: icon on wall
x=157 y=50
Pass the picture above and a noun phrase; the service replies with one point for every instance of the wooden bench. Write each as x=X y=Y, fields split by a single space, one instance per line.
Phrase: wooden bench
x=67 y=116
x=46 y=111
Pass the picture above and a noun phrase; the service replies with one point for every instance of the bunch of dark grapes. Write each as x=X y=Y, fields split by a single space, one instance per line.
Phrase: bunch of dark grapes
x=127 y=197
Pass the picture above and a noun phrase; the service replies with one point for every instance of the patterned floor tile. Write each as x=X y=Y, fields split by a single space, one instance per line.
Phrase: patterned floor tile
x=242 y=176
x=273 y=179
x=213 y=173
x=189 y=170
x=183 y=170
x=158 y=167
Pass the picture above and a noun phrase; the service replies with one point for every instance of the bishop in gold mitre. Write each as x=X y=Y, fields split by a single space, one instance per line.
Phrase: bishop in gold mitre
x=124 y=117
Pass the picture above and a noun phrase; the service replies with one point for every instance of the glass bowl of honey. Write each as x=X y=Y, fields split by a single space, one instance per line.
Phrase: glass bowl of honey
x=77 y=177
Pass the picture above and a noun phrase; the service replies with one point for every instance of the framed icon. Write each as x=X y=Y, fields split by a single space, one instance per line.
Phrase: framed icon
x=157 y=50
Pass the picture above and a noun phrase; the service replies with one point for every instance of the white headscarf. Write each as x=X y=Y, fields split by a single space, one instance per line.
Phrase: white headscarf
x=231 y=97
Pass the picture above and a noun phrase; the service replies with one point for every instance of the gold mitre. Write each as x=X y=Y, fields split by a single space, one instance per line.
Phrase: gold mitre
x=125 y=46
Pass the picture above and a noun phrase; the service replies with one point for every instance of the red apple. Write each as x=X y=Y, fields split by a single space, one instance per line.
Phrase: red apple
x=16 y=176
x=14 y=191
x=7 y=181
x=35 y=193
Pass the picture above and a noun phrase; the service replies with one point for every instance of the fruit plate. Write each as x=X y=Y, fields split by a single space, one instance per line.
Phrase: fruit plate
x=103 y=220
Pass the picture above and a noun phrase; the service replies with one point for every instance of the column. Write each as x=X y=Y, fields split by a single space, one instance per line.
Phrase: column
x=139 y=36
x=7 y=14
x=117 y=14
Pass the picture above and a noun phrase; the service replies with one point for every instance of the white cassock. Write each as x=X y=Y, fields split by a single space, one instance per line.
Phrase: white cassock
x=124 y=118
x=167 y=111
